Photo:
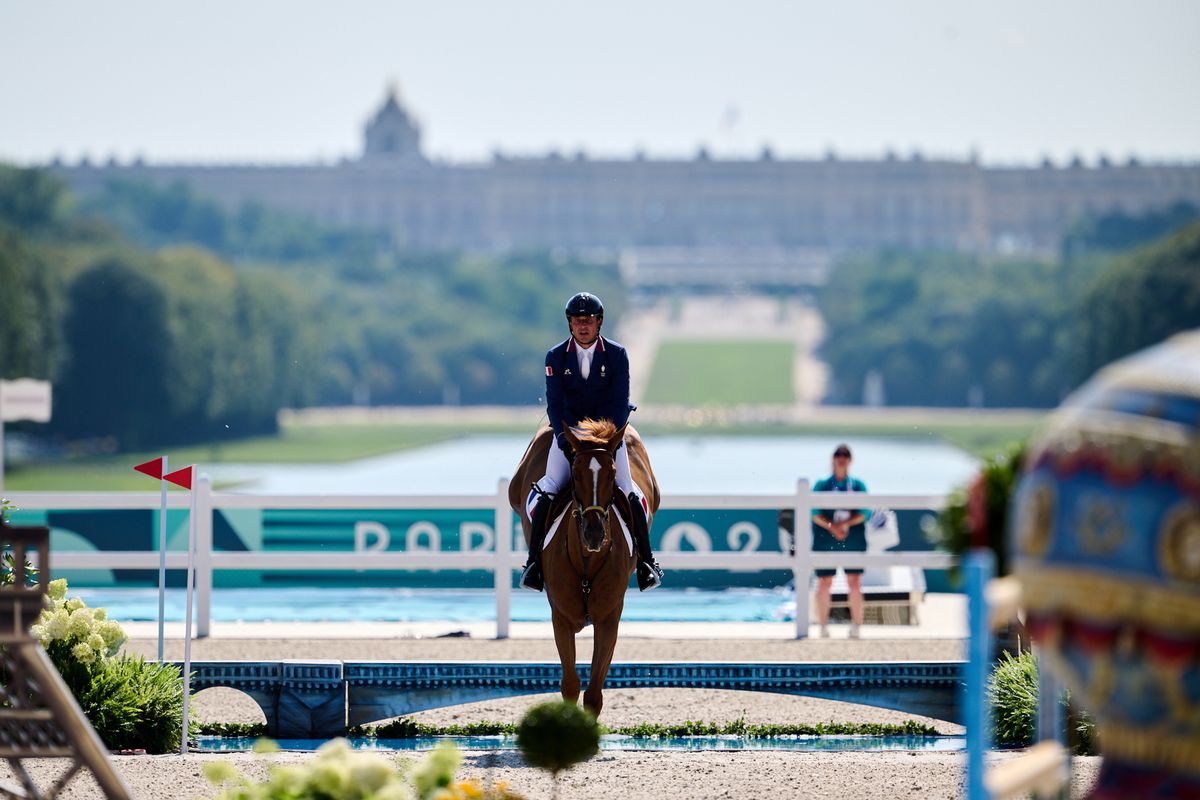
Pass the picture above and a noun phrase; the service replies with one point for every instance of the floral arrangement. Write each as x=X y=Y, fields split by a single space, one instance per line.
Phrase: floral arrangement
x=69 y=626
x=338 y=772
x=132 y=703
x=976 y=515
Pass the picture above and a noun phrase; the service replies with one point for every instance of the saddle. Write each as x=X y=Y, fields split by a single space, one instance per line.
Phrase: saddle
x=621 y=504
x=558 y=505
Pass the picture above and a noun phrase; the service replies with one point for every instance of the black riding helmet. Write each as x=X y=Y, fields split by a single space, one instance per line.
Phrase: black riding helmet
x=583 y=305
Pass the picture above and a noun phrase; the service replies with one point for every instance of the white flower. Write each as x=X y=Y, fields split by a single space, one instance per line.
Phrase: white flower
x=83 y=653
x=329 y=777
x=288 y=782
x=57 y=624
x=100 y=614
x=80 y=622
x=96 y=642
x=58 y=589
x=370 y=772
x=114 y=635
x=394 y=791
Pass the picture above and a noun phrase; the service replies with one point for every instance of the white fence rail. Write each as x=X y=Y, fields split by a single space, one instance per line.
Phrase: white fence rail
x=501 y=559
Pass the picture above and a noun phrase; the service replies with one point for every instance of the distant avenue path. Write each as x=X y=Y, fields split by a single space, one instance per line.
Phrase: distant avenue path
x=727 y=318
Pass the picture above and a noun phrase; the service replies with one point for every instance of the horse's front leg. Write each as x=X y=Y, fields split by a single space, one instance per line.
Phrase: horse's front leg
x=564 y=638
x=604 y=643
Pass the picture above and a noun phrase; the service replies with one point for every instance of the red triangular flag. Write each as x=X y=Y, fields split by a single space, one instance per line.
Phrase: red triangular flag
x=180 y=477
x=151 y=468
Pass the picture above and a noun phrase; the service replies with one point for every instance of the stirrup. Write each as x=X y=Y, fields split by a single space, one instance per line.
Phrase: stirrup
x=532 y=578
x=649 y=575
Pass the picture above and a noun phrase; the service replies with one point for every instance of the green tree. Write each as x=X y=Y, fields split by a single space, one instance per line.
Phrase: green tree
x=943 y=328
x=115 y=383
x=1117 y=230
x=1140 y=300
x=30 y=311
x=31 y=200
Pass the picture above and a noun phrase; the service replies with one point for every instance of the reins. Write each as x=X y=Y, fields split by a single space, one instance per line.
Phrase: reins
x=586 y=579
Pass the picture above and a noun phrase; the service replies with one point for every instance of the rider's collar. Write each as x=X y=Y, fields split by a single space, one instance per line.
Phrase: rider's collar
x=572 y=346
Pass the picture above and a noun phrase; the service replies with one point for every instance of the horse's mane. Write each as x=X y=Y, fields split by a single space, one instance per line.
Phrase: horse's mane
x=596 y=431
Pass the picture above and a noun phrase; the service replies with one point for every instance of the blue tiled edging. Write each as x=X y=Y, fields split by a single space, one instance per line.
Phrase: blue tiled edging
x=319 y=698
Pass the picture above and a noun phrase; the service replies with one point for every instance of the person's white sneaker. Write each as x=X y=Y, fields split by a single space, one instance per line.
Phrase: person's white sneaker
x=824 y=631
x=853 y=631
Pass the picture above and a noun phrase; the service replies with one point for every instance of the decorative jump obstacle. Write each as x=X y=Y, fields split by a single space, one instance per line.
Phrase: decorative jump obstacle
x=313 y=699
x=39 y=718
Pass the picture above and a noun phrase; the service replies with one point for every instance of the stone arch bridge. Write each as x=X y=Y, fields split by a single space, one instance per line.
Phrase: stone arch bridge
x=312 y=699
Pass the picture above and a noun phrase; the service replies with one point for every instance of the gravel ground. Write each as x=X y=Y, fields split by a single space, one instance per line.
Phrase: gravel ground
x=624 y=775
x=627 y=775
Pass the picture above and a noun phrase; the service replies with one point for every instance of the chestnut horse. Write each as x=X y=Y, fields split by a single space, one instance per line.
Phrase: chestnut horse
x=588 y=553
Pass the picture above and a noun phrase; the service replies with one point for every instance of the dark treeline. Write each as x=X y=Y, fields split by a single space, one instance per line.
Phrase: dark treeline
x=162 y=318
x=154 y=217
x=954 y=329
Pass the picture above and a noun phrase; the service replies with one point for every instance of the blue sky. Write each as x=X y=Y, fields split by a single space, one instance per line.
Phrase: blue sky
x=294 y=81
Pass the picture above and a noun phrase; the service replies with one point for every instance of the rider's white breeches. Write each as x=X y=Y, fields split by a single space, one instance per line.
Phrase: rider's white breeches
x=558 y=475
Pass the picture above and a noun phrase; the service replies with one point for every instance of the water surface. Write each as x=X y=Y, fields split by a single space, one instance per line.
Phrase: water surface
x=683 y=465
x=334 y=604
x=619 y=742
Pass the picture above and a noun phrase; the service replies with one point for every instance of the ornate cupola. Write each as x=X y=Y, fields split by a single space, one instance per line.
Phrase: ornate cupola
x=392 y=134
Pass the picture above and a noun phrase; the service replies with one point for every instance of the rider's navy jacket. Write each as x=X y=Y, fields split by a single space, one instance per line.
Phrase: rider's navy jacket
x=604 y=395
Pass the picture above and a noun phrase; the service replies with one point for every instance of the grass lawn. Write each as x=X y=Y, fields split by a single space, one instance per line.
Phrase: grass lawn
x=335 y=443
x=725 y=373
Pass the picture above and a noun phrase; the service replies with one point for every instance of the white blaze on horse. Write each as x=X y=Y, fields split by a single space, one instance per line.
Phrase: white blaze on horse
x=588 y=553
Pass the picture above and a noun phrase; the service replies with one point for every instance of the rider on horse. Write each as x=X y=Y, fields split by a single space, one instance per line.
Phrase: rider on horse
x=587 y=376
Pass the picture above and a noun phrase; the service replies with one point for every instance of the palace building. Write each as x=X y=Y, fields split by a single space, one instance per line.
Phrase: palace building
x=701 y=220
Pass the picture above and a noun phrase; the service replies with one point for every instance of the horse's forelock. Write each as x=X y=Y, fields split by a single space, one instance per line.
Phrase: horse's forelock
x=596 y=431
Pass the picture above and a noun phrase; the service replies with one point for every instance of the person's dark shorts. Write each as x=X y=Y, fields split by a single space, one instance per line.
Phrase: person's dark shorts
x=823 y=542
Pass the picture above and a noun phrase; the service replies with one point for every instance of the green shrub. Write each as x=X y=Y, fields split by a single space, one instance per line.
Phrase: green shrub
x=237 y=730
x=558 y=734
x=405 y=728
x=1013 y=693
x=976 y=515
x=409 y=728
x=130 y=702
x=135 y=703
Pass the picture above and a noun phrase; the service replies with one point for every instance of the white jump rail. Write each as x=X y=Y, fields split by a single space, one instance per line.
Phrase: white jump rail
x=501 y=560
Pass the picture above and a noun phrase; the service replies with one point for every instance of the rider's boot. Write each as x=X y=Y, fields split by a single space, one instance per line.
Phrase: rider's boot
x=649 y=573
x=531 y=575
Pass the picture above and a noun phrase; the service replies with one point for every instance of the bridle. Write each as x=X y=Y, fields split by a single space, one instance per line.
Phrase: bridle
x=582 y=510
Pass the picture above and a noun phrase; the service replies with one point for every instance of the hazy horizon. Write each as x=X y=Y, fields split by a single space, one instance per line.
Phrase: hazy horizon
x=276 y=82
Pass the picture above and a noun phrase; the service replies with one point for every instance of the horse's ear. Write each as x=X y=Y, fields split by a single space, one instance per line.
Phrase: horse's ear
x=615 y=442
x=572 y=437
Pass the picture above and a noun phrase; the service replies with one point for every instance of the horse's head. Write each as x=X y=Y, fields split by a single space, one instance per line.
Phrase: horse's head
x=593 y=477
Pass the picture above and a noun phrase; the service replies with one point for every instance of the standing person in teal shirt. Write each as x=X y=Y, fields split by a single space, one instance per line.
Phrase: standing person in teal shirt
x=840 y=530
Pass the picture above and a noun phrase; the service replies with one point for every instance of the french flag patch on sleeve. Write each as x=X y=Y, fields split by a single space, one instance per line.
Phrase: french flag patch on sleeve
x=549 y=371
